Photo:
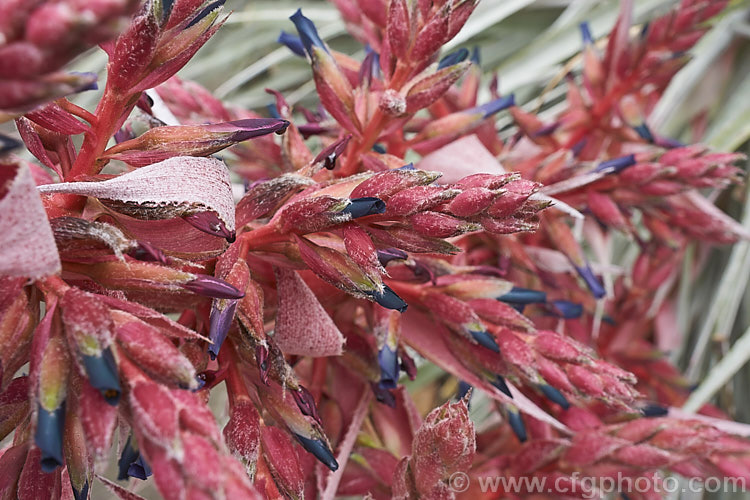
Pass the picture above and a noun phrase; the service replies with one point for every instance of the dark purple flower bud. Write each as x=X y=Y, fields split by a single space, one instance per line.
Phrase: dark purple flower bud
x=205 y=12
x=595 y=286
x=388 y=299
x=293 y=43
x=644 y=132
x=500 y=384
x=139 y=469
x=261 y=357
x=330 y=154
x=309 y=129
x=485 y=340
x=524 y=296
x=242 y=130
x=516 y=423
x=616 y=165
x=148 y=252
x=654 y=410
x=383 y=396
x=307 y=32
x=554 y=395
x=389 y=367
x=320 y=450
x=49 y=436
x=123 y=135
x=220 y=321
x=495 y=106
x=8 y=144
x=103 y=375
x=453 y=58
x=361 y=207
x=209 y=286
x=127 y=457
x=306 y=403
x=407 y=364
x=209 y=222
x=567 y=309
x=388 y=254
x=586 y=33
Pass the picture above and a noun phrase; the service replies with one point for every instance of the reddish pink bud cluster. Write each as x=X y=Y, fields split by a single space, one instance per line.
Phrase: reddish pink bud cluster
x=38 y=38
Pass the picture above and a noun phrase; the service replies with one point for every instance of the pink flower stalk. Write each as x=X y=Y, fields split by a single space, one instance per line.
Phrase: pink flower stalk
x=342 y=267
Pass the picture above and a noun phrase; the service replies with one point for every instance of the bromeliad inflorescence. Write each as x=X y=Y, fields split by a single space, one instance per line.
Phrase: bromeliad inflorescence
x=128 y=296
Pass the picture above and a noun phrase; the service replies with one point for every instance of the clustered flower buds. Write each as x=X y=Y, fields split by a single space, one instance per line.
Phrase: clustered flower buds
x=306 y=277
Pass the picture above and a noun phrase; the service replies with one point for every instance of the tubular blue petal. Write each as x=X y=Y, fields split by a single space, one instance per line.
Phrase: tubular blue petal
x=493 y=107
x=502 y=386
x=388 y=299
x=103 y=375
x=389 y=370
x=654 y=410
x=320 y=450
x=516 y=423
x=586 y=33
x=463 y=389
x=49 y=436
x=592 y=282
x=518 y=295
x=293 y=43
x=554 y=395
x=475 y=55
x=139 y=469
x=567 y=309
x=307 y=32
x=644 y=132
x=127 y=457
x=485 y=340
x=8 y=143
x=616 y=164
x=83 y=494
x=453 y=58
x=361 y=207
